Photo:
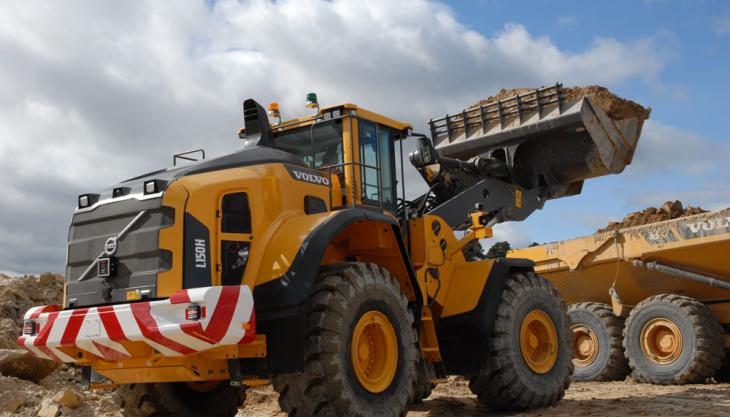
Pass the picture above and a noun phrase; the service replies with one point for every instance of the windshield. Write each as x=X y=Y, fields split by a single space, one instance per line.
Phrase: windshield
x=319 y=146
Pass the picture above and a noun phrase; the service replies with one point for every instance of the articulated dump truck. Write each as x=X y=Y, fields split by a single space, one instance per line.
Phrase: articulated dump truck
x=298 y=261
x=653 y=300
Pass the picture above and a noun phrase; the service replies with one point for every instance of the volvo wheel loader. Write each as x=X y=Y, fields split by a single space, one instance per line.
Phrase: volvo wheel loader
x=299 y=261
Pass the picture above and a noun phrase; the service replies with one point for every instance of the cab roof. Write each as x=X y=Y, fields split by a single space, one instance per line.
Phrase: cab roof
x=344 y=108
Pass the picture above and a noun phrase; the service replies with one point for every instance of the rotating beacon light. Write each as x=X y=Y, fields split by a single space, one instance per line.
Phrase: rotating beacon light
x=274 y=111
x=312 y=102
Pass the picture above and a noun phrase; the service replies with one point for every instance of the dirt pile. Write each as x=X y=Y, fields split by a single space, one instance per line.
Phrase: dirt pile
x=19 y=294
x=668 y=211
x=616 y=107
x=57 y=395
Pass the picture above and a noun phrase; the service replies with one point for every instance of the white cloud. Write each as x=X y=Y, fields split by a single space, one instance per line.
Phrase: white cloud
x=664 y=150
x=92 y=93
x=706 y=194
x=510 y=232
x=721 y=25
x=567 y=21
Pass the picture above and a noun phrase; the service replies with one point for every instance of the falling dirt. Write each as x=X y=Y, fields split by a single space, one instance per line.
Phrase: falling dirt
x=616 y=107
x=668 y=211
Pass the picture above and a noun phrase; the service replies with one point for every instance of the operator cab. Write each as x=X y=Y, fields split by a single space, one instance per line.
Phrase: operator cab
x=354 y=143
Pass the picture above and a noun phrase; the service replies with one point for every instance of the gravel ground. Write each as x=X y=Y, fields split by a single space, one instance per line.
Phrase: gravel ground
x=582 y=399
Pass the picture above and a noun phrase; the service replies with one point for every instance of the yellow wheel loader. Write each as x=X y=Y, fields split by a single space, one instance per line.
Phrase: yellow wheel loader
x=299 y=261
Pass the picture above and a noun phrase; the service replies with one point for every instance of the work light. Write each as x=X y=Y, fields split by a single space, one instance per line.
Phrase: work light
x=86 y=200
x=153 y=186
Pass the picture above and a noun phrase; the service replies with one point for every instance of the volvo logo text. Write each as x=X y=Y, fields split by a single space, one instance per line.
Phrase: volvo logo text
x=308 y=176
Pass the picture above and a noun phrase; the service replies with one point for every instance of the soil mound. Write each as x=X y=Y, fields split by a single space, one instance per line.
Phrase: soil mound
x=19 y=294
x=668 y=211
x=616 y=107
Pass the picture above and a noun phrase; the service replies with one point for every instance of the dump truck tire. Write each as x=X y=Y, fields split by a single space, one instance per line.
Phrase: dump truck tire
x=180 y=399
x=598 y=336
x=672 y=339
x=423 y=386
x=531 y=348
x=361 y=353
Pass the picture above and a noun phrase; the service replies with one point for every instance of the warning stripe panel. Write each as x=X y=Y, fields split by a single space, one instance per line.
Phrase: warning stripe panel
x=160 y=324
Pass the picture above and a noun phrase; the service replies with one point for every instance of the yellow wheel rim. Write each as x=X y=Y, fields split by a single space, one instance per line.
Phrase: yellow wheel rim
x=661 y=341
x=374 y=352
x=539 y=341
x=586 y=345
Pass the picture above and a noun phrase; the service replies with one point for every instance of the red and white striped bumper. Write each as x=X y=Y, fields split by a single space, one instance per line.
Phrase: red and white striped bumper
x=227 y=318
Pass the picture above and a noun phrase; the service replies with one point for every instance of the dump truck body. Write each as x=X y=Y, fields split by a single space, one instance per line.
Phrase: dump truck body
x=647 y=271
x=586 y=267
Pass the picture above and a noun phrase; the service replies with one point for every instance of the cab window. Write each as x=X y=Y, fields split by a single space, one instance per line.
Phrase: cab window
x=319 y=146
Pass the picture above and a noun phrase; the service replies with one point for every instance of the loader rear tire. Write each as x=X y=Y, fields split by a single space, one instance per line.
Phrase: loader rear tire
x=361 y=348
x=671 y=339
x=531 y=348
x=180 y=399
x=599 y=352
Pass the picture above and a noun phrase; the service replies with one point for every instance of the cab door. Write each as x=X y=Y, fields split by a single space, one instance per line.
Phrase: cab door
x=234 y=237
x=377 y=165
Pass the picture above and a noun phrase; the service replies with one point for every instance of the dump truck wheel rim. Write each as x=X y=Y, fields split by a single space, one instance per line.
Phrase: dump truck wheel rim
x=374 y=352
x=205 y=386
x=586 y=345
x=539 y=341
x=661 y=341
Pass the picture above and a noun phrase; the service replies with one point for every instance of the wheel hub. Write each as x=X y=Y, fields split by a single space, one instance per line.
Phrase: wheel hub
x=539 y=341
x=586 y=345
x=661 y=341
x=374 y=351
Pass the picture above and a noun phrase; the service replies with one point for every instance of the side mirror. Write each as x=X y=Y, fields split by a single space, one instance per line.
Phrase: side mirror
x=425 y=154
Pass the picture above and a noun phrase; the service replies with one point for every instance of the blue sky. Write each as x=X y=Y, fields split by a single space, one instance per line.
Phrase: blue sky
x=688 y=34
x=95 y=92
x=690 y=93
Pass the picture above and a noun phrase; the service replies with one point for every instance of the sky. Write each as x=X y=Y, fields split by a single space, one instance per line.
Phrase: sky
x=95 y=92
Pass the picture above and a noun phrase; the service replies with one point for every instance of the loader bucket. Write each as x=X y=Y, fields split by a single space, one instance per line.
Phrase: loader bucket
x=551 y=137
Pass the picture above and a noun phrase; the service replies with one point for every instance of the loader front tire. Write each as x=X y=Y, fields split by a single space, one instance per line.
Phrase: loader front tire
x=671 y=339
x=361 y=349
x=531 y=348
x=599 y=352
x=423 y=387
x=180 y=399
